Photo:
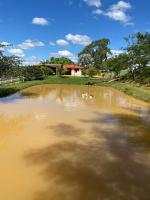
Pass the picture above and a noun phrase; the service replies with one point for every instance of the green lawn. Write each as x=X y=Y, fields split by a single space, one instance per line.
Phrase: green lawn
x=142 y=93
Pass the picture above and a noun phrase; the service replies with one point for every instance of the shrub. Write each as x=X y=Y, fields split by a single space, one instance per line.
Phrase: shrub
x=34 y=73
x=47 y=71
x=90 y=72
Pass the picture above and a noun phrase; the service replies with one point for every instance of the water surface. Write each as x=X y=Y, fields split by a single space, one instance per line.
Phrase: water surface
x=62 y=142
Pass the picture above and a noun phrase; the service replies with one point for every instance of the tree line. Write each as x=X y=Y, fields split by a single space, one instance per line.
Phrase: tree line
x=134 y=59
x=96 y=59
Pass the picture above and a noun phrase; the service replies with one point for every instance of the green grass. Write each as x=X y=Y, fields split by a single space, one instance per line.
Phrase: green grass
x=15 y=87
x=142 y=93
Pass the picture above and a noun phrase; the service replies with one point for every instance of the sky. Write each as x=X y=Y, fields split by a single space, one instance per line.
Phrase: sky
x=39 y=29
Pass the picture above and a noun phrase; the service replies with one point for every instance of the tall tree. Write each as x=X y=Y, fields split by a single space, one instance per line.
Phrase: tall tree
x=98 y=50
x=85 y=60
x=138 y=49
x=9 y=65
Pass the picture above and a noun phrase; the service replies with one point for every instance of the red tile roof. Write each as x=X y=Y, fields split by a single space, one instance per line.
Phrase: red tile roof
x=72 y=67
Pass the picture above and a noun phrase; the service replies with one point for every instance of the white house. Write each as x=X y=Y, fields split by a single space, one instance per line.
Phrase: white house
x=73 y=70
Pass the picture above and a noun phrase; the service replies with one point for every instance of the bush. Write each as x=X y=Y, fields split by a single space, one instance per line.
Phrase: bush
x=92 y=71
x=47 y=71
x=34 y=73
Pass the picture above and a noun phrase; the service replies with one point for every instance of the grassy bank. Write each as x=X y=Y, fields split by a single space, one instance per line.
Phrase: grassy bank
x=142 y=93
x=15 y=87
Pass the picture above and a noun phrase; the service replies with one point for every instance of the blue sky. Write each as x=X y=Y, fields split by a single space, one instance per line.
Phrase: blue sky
x=40 y=29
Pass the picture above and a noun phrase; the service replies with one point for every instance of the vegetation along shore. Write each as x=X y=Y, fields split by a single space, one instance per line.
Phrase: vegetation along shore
x=128 y=71
x=132 y=89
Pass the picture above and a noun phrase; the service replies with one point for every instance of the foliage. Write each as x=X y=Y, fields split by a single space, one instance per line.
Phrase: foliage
x=47 y=71
x=85 y=60
x=138 y=53
x=62 y=71
x=35 y=73
x=92 y=71
x=9 y=65
x=135 y=61
x=117 y=64
x=61 y=60
x=98 y=50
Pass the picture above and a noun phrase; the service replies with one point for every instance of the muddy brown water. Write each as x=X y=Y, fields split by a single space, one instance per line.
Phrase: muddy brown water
x=60 y=142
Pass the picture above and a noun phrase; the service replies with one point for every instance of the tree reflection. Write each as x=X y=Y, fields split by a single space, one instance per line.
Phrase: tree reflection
x=104 y=167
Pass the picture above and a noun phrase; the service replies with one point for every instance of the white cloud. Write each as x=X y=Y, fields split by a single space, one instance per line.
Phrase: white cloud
x=16 y=52
x=29 y=44
x=64 y=53
x=5 y=43
x=117 y=12
x=114 y=53
x=121 y=5
x=40 y=21
x=97 y=12
x=79 y=39
x=62 y=43
x=96 y=3
x=31 y=60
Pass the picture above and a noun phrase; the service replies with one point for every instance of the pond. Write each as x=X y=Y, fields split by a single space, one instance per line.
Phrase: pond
x=64 y=142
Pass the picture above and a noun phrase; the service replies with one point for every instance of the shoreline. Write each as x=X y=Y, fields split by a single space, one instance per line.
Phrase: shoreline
x=130 y=89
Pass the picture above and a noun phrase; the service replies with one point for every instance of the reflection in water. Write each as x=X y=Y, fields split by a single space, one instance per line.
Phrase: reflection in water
x=101 y=96
x=104 y=168
x=80 y=142
x=66 y=129
x=10 y=98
